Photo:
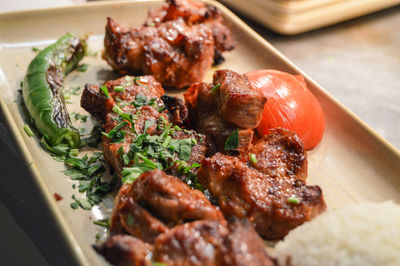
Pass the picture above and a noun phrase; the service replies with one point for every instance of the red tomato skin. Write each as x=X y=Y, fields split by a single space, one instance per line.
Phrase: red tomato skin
x=290 y=105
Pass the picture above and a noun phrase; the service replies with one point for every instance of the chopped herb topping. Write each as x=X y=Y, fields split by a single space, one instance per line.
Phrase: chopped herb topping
x=215 y=88
x=232 y=142
x=77 y=116
x=94 y=139
x=119 y=89
x=36 y=50
x=293 y=200
x=253 y=158
x=116 y=134
x=88 y=171
x=82 y=68
x=137 y=81
x=148 y=152
x=103 y=222
x=105 y=91
x=28 y=130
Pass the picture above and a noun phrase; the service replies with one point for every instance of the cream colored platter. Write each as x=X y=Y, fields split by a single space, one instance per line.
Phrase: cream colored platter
x=296 y=16
x=352 y=163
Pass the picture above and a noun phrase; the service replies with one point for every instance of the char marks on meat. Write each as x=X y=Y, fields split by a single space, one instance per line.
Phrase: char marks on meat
x=177 y=44
x=220 y=108
x=262 y=192
x=212 y=243
x=155 y=202
x=279 y=154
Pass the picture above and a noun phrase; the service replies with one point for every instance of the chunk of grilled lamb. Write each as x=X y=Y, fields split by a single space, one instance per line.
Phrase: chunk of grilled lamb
x=226 y=105
x=155 y=202
x=273 y=205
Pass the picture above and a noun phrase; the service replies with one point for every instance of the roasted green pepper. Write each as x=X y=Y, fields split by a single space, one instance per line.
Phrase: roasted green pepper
x=42 y=89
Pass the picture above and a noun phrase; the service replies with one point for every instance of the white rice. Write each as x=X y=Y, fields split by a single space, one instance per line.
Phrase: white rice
x=363 y=234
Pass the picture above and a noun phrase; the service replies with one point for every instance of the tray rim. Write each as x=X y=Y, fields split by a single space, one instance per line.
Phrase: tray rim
x=17 y=134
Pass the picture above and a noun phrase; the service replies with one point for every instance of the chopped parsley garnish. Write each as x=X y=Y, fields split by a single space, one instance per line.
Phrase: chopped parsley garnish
x=128 y=80
x=232 y=142
x=105 y=91
x=88 y=171
x=293 y=200
x=253 y=158
x=148 y=152
x=119 y=89
x=82 y=67
x=103 y=222
x=36 y=50
x=136 y=80
x=116 y=134
x=28 y=130
x=215 y=88
x=94 y=139
x=77 y=116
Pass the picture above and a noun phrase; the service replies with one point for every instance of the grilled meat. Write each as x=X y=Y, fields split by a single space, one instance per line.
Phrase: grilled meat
x=99 y=105
x=142 y=102
x=273 y=205
x=279 y=154
x=205 y=242
x=211 y=243
x=218 y=109
x=195 y=13
x=177 y=44
x=156 y=201
x=124 y=250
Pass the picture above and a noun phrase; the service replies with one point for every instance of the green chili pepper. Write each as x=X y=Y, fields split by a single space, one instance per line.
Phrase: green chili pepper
x=42 y=90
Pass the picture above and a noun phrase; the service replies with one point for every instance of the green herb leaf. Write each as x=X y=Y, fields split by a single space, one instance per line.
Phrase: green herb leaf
x=232 y=142
x=293 y=200
x=119 y=89
x=136 y=80
x=105 y=91
x=215 y=88
x=36 y=50
x=103 y=222
x=112 y=133
x=28 y=130
x=253 y=158
x=82 y=68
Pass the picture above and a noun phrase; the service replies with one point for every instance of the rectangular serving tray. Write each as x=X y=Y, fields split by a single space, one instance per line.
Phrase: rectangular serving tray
x=296 y=16
x=352 y=163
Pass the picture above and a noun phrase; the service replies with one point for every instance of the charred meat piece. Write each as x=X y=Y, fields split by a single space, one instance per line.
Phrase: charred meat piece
x=175 y=53
x=229 y=104
x=195 y=243
x=129 y=89
x=195 y=13
x=124 y=250
x=139 y=119
x=211 y=243
x=243 y=246
x=273 y=205
x=179 y=113
x=279 y=154
x=156 y=201
x=129 y=217
x=177 y=44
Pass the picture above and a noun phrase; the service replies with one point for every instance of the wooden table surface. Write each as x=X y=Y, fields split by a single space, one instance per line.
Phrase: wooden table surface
x=358 y=62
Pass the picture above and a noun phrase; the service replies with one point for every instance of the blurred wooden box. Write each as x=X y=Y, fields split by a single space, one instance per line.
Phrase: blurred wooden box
x=296 y=16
